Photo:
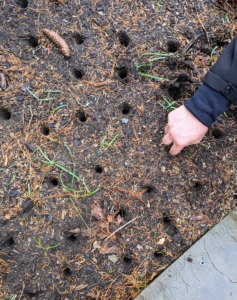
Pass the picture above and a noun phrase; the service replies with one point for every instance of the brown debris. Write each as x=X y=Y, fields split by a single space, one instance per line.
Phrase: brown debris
x=58 y=41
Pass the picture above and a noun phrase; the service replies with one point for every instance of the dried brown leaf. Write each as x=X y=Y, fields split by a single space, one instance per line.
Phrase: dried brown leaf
x=96 y=211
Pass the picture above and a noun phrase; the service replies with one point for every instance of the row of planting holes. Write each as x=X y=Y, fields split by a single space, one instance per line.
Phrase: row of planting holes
x=5 y=114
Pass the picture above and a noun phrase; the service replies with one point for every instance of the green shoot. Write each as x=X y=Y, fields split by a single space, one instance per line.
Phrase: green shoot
x=44 y=91
x=112 y=141
x=74 y=167
x=52 y=163
x=12 y=297
x=103 y=140
x=156 y=58
x=70 y=152
x=159 y=54
x=227 y=18
x=47 y=247
x=149 y=75
x=67 y=187
x=102 y=143
x=13 y=178
x=57 y=108
x=86 y=193
x=212 y=54
x=51 y=91
x=169 y=104
x=79 y=215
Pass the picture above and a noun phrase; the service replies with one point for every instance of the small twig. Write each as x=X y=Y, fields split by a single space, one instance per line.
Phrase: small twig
x=203 y=28
x=190 y=45
x=120 y=228
x=133 y=194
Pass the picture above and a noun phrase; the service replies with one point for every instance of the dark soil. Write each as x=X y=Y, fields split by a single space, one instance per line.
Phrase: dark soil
x=55 y=242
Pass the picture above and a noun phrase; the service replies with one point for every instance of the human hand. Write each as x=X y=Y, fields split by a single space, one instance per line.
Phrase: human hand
x=183 y=129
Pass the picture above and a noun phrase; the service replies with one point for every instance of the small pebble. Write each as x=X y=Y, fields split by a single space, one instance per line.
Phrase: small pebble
x=31 y=223
x=127 y=239
x=13 y=193
x=124 y=120
x=47 y=218
x=139 y=247
x=20 y=98
x=29 y=240
x=77 y=143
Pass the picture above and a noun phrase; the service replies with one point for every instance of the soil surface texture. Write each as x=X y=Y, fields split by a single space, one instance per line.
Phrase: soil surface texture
x=92 y=206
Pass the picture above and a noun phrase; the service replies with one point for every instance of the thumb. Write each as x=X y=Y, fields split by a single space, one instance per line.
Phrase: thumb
x=167 y=139
x=175 y=149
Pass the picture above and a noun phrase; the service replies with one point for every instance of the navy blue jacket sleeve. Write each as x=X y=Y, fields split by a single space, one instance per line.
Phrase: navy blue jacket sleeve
x=219 y=89
x=207 y=104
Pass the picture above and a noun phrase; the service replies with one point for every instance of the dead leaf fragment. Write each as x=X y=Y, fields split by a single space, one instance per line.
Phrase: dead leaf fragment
x=110 y=218
x=81 y=286
x=114 y=258
x=113 y=249
x=96 y=211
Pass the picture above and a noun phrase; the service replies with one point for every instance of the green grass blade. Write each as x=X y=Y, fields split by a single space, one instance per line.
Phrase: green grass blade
x=13 y=178
x=103 y=140
x=57 y=108
x=67 y=187
x=112 y=141
x=32 y=94
x=153 y=77
x=50 y=162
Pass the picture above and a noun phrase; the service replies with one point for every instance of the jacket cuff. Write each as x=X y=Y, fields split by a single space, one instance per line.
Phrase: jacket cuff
x=207 y=104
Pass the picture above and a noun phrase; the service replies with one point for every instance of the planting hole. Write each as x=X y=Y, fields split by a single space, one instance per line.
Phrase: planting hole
x=98 y=169
x=4 y=114
x=45 y=130
x=81 y=115
x=217 y=133
x=72 y=238
x=158 y=254
x=149 y=189
x=122 y=213
x=173 y=46
x=197 y=186
x=33 y=41
x=124 y=39
x=235 y=195
x=126 y=108
x=122 y=72
x=78 y=73
x=127 y=260
x=174 y=92
x=53 y=181
x=79 y=38
x=23 y=3
x=166 y=220
x=67 y=272
x=9 y=242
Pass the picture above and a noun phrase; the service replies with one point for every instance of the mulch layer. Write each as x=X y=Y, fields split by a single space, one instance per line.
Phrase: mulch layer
x=92 y=206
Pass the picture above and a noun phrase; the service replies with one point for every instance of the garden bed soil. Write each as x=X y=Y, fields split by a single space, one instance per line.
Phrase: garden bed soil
x=101 y=134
